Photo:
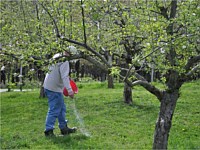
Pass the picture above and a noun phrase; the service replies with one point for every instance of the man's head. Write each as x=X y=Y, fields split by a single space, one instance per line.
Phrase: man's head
x=71 y=50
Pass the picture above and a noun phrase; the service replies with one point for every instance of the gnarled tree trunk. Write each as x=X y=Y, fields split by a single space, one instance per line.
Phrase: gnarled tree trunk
x=164 y=121
x=110 y=81
x=127 y=94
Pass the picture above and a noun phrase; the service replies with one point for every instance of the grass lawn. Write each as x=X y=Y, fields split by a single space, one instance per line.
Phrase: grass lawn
x=103 y=120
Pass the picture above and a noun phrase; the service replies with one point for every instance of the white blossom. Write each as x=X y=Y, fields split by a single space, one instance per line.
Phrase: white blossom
x=62 y=37
x=183 y=46
x=83 y=5
x=20 y=76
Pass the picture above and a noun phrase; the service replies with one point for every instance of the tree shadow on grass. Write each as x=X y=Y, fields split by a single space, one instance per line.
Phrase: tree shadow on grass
x=123 y=110
x=134 y=105
x=144 y=107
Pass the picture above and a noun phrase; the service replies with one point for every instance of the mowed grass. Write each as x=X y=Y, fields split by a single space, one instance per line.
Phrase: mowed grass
x=103 y=120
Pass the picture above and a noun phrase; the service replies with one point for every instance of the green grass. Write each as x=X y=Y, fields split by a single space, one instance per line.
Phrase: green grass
x=103 y=116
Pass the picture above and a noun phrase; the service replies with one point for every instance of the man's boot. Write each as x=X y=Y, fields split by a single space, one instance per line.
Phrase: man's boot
x=49 y=133
x=67 y=130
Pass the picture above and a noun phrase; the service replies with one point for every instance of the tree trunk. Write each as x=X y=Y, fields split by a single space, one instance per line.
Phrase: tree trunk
x=42 y=94
x=110 y=76
x=127 y=94
x=110 y=81
x=164 y=121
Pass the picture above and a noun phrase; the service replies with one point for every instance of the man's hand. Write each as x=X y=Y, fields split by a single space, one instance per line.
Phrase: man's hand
x=71 y=94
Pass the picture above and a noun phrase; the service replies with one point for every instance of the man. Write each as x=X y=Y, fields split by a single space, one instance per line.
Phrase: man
x=56 y=79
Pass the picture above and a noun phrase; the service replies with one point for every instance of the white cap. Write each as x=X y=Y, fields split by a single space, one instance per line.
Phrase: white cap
x=72 y=49
x=57 y=55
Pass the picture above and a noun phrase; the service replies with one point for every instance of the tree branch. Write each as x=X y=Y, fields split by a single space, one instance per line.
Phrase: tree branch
x=191 y=62
x=95 y=62
x=152 y=89
x=128 y=73
x=143 y=82
x=54 y=21
x=139 y=77
x=193 y=70
x=77 y=56
x=88 y=48
x=83 y=20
